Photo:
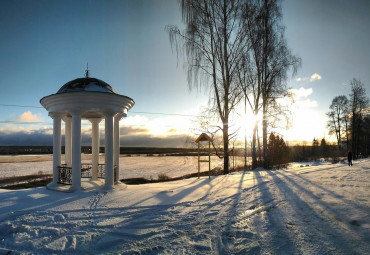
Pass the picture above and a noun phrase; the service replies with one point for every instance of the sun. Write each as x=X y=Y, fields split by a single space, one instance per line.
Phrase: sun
x=244 y=123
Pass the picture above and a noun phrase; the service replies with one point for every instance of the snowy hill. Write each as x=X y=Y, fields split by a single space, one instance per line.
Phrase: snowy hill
x=321 y=209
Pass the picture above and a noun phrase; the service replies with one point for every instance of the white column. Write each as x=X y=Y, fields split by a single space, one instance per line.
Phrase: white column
x=57 y=138
x=116 y=146
x=109 y=150
x=95 y=147
x=76 y=150
x=68 y=141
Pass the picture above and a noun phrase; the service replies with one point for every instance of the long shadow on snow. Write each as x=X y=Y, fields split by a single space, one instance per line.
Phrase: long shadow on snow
x=318 y=169
x=34 y=202
x=274 y=221
x=336 y=214
x=166 y=199
x=330 y=192
x=205 y=216
x=324 y=226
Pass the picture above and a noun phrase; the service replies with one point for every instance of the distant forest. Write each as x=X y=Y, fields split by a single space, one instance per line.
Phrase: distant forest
x=280 y=153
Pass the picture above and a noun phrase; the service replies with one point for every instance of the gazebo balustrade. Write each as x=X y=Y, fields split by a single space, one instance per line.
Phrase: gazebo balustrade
x=65 y=173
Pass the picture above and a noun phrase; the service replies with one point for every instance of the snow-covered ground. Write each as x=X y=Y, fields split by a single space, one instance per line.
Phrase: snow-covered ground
x=320 y=209
x=130 y=167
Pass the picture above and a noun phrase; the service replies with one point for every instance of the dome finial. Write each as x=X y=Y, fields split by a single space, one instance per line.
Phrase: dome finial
x=87 y=70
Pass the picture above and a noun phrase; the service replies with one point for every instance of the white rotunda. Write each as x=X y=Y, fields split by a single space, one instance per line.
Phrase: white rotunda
x=94 y=100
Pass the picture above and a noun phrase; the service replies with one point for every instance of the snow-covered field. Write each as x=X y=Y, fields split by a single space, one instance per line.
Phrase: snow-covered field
x=130 y=167
x=321 y=209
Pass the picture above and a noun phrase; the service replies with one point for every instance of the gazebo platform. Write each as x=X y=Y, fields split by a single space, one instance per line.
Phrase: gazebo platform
x=86 y=186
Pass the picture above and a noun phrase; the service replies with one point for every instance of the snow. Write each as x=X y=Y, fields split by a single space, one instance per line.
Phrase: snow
x=315 y=209
x=130 y=167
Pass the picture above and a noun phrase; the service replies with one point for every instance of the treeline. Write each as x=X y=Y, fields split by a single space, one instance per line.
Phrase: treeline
x=317 y=150
x=279 y=153
x=349 y=120
x=23 y=150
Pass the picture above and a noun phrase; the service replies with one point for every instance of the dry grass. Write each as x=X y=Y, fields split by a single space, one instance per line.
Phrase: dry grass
x=25 y=182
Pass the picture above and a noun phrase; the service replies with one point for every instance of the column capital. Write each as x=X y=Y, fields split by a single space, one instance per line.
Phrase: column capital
x=56 y=115
x=109 y=113
x=95 y=120
x=119 y=116
x=67 y=119
x=76 y=112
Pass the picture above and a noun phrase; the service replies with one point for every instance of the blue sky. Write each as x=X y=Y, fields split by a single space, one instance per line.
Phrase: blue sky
x=45 y=44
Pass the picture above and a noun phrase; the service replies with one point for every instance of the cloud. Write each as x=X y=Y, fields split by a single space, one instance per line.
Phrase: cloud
x=299 y=79
x=134 y=131
x=302 y=99
x=312 y=78
x=176 y=141
x=129 y=136
x=307 y=121
x=28 y=117
x=315 y=77
x=301 y=93
x=37 y=137
x=161 y=126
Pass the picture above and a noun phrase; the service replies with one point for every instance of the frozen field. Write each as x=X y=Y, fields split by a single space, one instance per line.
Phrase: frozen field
x=320 y=209
x=130 y=167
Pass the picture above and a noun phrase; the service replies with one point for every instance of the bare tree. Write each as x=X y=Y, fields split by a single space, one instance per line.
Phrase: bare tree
x=213 y=42
x=250 y=70
x=358 y=102
x=337 y=117
x=267 y=65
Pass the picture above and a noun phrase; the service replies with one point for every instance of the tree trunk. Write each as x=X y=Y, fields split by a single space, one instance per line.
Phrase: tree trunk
x=353 y=132
x=226 y=147
x=266 y=162
x=254 y=152
x=346 y=121
x=358 y=134
x=339 y=133
x=259 y=149
x=245 y=135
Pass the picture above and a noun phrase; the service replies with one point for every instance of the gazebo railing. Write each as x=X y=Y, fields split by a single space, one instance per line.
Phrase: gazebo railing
x=86 y=171
x=101 y=171
x=65 y=172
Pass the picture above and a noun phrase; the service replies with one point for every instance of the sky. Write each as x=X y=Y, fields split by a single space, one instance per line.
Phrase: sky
x=45 y=44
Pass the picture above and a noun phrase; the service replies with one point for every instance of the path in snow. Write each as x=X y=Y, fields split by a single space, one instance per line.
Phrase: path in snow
x=320 y=209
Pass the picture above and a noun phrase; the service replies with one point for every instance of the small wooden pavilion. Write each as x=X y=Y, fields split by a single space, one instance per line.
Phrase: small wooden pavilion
x=204 y=138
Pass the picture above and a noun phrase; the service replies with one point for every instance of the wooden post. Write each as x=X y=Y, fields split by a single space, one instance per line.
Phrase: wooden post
x=198 y=161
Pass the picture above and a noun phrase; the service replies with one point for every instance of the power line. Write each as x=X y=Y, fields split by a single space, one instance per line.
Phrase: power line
x=170 y=114
x=24 y=122
x=24 y=106
x=152 y=113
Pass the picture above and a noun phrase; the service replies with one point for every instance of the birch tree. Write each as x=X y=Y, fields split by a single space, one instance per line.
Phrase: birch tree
x=337 y=117
x=213 y=42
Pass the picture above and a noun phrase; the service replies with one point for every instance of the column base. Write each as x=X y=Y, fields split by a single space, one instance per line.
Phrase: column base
x=58 y=187
x=108 y=187
x=75 y=189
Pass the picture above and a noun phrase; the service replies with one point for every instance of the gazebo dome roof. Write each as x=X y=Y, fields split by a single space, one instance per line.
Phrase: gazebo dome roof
x=86 y=84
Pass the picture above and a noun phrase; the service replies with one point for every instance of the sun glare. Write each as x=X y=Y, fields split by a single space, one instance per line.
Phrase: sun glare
x=245 y=123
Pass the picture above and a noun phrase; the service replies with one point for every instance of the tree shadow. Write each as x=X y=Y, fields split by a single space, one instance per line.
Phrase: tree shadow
x=331 y=226
x=270 y=216
x=305 y=180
